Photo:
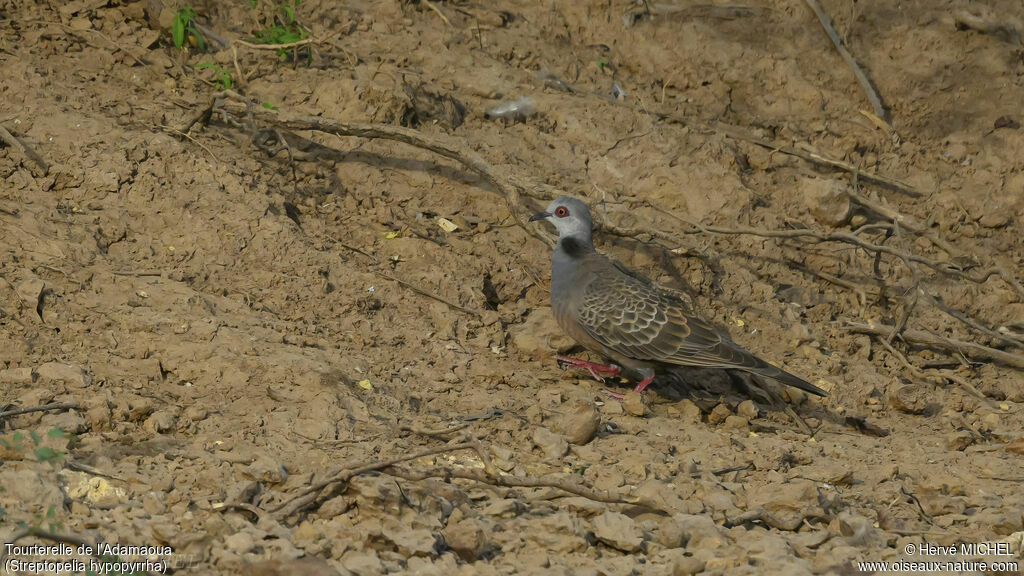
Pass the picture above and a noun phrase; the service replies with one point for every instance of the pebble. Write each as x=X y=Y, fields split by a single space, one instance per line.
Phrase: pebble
x=689 y=412
x=686 y=565
x=268 y=470
x=16 y=376
x=29 y=290
x=240 y=542
x=66 y=373
x=466 y=537
x=410 y=541
x=634 y=405
x=735 y=422
x=98 y=414
x=747 y=409
x=161 y=422
x=909 y=399
x=827 y=200
x=71 y=422
x=579 y=423
x=196 y=413
x=618 y=531
x=553 y=445
x=996 y=218
x=959 y=440
x=719 y=414
x=699 y=531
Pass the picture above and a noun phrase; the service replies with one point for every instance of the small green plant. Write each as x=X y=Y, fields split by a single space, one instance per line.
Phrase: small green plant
x=283 y=29
x=269 y=106
x=183 y=27
x=42 y=453
x=222 y=76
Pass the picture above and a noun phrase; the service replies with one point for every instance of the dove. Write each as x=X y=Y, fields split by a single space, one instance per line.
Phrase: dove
x=612 y=311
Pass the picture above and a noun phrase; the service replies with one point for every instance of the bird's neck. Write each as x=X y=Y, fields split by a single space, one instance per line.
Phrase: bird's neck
x=575 y=247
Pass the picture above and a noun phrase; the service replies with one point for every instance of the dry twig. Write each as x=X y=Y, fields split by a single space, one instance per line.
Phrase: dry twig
x=431 y=5
x=488 y=475
x=511 y=186
x=928 y=340
x=865 y=83
x=429 y=294
x=308 y=496
x=35 y=164
x=43 y=408
x=738 y=133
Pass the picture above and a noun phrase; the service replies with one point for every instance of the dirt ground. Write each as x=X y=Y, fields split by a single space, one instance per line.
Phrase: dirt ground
x=236 y=321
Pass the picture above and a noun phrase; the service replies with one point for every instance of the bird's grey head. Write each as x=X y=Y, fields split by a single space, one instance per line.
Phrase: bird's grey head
x=571 y=218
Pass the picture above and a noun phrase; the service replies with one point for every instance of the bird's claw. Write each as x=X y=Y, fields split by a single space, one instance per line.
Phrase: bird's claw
x=617 y=396
x=598 y=371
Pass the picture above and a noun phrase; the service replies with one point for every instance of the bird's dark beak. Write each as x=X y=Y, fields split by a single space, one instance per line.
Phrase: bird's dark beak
x=540 y=216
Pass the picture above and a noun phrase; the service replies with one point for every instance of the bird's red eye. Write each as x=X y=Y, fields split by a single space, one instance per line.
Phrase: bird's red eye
x=561 y=211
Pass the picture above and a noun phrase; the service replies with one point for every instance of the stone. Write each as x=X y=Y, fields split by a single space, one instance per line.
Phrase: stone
x=410 y=541
x=789 y=502
x=618 y=531
x=539 y=336
x=71 y=422
x=161 y=422
x=266 y=469
x=67 y=373
x=634 y=405
x=240 y=542
x=699 y=531
x=689 y=412
x=719 y=414
x=960 y=440
x=467 y=537
x=826 y=200
x=686 y=565
x=16 y=376
x=909 y=399
x=579 y=423
x=747 y=409
x=29 y=290
x=554 y=446
x=735 y=422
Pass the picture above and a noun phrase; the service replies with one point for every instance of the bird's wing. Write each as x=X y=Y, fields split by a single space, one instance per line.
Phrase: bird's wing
x=631 y=318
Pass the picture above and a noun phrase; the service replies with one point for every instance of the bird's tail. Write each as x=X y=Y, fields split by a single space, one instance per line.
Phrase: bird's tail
x=767 y=370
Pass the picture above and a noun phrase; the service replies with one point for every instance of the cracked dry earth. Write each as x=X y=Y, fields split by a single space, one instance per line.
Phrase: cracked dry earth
x=234 y=325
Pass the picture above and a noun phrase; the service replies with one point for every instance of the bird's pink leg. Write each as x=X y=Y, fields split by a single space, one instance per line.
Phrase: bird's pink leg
x=643 y=383
x=598 y=371
x=617 y=396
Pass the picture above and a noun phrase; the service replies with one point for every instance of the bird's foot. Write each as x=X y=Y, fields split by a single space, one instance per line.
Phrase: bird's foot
x=643 y=383
x=598 y=371
x=617 y=396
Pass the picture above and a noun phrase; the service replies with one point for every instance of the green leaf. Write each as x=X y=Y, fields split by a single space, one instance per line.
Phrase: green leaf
x=200 y=43
x=178 y=31
x=44 y=453
x=56 y=433
x=35 y=437
x=269 y=106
